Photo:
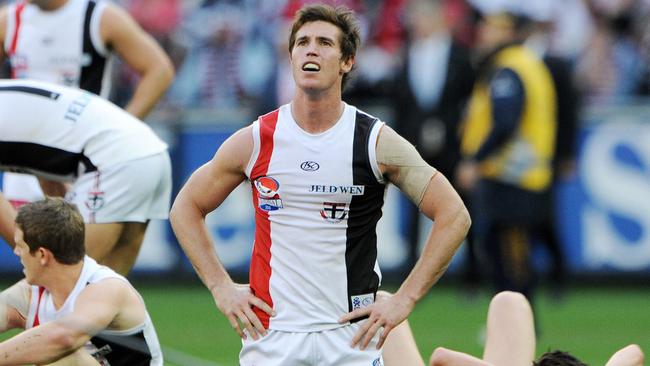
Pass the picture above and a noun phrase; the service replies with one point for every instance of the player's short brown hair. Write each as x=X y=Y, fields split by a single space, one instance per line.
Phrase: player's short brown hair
x=56 y=225
x=342 y=17
x=558 y=358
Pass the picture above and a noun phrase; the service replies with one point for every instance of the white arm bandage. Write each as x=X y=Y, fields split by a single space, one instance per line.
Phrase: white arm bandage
x=17 y=297
x=4 y=322
x=403 y=164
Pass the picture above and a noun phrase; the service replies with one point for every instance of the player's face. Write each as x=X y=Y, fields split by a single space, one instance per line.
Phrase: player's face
x=29 y=260
x=316 y=57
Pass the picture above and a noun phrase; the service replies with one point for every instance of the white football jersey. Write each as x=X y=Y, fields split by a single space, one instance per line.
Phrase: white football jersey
x=317 y=200
x=60 y=132
x=62 y=46
x=133 y=347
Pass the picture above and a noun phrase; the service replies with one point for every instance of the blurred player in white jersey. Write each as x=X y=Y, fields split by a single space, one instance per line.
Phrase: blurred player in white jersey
x=71 y=42
x=119 y=170
x=74 y=311
x=318 y=169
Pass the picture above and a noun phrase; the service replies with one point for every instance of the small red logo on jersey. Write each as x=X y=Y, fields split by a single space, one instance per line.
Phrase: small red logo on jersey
x=267 y=187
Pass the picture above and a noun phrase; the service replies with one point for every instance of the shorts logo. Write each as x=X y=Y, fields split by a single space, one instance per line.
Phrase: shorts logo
x=334 y=212
x=377 y=362
x=267 y=193
x=95 y=200
x=362 y=301
x=309 y=166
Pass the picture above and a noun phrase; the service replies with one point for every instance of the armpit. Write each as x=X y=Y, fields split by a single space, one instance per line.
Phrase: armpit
x=403 y=165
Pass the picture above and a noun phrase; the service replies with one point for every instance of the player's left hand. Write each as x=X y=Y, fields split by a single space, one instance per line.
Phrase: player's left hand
x=386 y=313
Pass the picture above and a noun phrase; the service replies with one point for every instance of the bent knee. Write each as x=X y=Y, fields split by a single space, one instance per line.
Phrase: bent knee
x=439 y=356
x=510 y=301
x=635 y=353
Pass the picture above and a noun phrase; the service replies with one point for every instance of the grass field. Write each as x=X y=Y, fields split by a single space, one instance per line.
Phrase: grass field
x=590 y=322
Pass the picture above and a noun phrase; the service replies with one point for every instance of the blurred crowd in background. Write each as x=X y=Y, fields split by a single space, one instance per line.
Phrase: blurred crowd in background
x=232 y=54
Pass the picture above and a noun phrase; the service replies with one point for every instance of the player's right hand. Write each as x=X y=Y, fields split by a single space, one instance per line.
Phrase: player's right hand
x=236 y=302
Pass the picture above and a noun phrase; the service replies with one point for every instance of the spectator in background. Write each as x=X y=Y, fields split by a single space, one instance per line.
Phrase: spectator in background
x=507 y=147
x=209 y=76
x=71 y=42
x=611 y=67
x=541 y=15
x=429 y=95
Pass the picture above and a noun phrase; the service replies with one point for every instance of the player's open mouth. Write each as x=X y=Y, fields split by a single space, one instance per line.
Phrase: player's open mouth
x=311 y=66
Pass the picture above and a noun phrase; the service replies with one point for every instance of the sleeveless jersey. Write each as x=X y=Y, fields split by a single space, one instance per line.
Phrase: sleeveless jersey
x=134 y=347
x=317 y=200
x=60 y=132
x=63 y=46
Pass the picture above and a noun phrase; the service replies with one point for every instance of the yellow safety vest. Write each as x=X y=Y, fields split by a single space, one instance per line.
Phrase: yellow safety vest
x=525 y=159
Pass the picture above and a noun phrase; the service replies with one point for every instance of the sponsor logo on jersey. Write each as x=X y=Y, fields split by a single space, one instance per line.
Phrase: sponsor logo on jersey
x=309 y=166
x=95 y=200
x=267 y=193
x=362 y=301
x=334 y=211
x=353 y=190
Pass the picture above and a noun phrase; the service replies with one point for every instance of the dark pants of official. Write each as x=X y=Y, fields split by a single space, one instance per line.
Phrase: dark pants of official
x=505 y=219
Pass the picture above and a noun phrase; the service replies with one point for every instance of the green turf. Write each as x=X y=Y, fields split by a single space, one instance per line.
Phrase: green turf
x=592 y=323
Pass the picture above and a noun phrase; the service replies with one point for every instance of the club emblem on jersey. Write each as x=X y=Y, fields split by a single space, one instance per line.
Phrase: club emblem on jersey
x=334 y=212
x=95 y=200
x=267 y=193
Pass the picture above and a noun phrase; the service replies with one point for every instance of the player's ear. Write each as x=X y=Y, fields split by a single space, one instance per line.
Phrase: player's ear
x=45 y=256
x=346 y=65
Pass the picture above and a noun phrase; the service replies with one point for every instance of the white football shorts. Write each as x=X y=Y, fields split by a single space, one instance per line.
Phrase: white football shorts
x=133 y=191
x=328 y=347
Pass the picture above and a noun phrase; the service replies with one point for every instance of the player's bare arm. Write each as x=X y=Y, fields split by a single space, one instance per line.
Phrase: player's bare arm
x=141 y=52
x=7 y=216
x=631 y=355
x=97 y=308
x=204 y=191
x=438 y=200
x=446 y=357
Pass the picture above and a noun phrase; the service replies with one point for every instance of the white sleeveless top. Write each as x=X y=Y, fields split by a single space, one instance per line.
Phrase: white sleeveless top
x=63 y=46
x=134 y=347
x=317 y=200
x=60 y=132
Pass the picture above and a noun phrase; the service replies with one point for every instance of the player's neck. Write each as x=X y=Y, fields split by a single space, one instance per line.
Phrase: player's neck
x=50 y=5
x=316 y=114
x=61 y=282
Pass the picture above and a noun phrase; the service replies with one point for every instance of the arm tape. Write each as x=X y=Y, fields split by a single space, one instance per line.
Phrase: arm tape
x=4 y=321
x=413 y=174
x=17 y=297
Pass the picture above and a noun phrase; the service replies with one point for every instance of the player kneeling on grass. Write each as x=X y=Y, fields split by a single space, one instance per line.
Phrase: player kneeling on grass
x=74 y=311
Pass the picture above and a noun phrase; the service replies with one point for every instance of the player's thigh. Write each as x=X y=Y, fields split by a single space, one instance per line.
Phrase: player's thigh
x=101 y=239
x=79 y=358
x=125 y=252
x=400 y=348
x=510 y=331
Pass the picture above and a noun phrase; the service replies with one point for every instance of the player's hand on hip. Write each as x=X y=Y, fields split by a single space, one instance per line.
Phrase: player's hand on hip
x=236 y=302
x=383 y=316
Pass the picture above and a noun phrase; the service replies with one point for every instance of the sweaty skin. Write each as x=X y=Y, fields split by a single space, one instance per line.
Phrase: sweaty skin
x=413 y=173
